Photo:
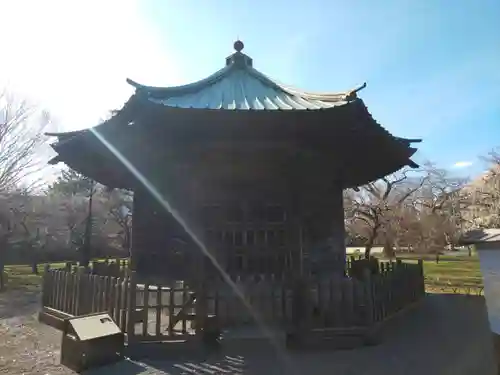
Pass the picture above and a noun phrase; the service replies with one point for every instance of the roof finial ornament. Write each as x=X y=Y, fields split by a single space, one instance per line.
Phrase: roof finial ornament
x=238 y=45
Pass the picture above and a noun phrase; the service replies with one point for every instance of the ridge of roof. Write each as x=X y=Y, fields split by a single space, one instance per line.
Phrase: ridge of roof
x=222 y=73
x=240 y=86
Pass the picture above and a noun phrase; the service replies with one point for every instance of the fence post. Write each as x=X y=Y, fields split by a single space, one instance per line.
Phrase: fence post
x=200 y=308
x=3 y=276
x=301 y=308
x=45 y=285
x=81 y=292
x=421 y=280
x=131 y=307
x=369 y=303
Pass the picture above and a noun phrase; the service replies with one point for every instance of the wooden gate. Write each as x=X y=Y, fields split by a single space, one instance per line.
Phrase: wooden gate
x=164 y=313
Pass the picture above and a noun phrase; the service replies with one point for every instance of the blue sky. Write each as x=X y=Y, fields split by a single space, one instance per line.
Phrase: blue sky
x=432 y=67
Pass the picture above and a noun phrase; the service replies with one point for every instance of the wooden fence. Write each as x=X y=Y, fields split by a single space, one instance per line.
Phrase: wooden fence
x=79 y=293
x=152 y=313
x=397 y=286
x=168 y=312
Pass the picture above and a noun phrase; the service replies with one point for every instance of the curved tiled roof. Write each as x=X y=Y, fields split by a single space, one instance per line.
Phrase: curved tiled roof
x=238 y=86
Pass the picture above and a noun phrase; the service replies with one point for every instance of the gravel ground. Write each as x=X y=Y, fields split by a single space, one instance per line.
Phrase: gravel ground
x=447 y=335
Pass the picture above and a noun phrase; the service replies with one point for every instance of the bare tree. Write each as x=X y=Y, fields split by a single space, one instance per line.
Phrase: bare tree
x=111 y=212
x=21 y=154
x=80 y=195
x=120 y=210
x=26 y=232
x=377 y=207
x=483 y=194
x=28 y=219
x=21 y=142
x=440 y=189
x=442 y=207
x=5 y=234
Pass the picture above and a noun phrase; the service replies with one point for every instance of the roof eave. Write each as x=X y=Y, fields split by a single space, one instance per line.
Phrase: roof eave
x=160 y=93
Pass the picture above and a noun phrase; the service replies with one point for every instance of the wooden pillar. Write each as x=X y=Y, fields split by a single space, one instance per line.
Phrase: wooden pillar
x=297 y=243
x=337 y=239
x=136 y=233
x=131 y=307
x=201 y=292
x=199 y=270
x=326 y=231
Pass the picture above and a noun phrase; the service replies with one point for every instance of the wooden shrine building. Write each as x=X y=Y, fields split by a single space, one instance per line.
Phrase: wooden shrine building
x=256 y=169
x=245 y=173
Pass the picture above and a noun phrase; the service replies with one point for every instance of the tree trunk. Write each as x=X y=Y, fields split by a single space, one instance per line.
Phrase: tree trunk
x=127 y=243
x=371 y=241
x=2 y=281
x=3 y=248
x=388 y=249
x=84 y=255
x=34 y=267
x=368 y=247
x=398 y=247
x=34 y=260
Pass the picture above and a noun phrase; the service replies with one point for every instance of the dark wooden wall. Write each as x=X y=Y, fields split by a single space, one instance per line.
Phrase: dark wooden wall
x=246 y=233
x=227 y=195
x=160 y=245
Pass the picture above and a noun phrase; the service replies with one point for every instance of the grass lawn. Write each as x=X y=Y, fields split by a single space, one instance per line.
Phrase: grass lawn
x=465 y=270
x=453 y=273
x=21 y=276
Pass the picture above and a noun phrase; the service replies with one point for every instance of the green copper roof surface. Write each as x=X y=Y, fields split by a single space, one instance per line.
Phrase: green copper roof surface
x=238 y=86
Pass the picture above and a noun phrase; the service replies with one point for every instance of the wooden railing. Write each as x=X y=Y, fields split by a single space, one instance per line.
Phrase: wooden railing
x=81 y=293
x=397 y=286
x=158 y=312
x=143 y=312
x=367 y=298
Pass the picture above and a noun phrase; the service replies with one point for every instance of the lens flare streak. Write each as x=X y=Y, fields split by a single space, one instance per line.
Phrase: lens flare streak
x=286 y=360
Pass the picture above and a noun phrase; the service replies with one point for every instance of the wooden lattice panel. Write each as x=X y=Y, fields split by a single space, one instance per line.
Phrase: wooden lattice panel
x=248 y=238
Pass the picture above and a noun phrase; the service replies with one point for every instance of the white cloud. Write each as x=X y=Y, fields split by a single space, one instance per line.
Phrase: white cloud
x=73 y=57
x=462 y=164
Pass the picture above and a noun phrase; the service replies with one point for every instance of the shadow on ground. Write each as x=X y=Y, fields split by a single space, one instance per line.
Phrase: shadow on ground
x=223 y=365
x=18 y=302
x=123 y=368
x=447 y=335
